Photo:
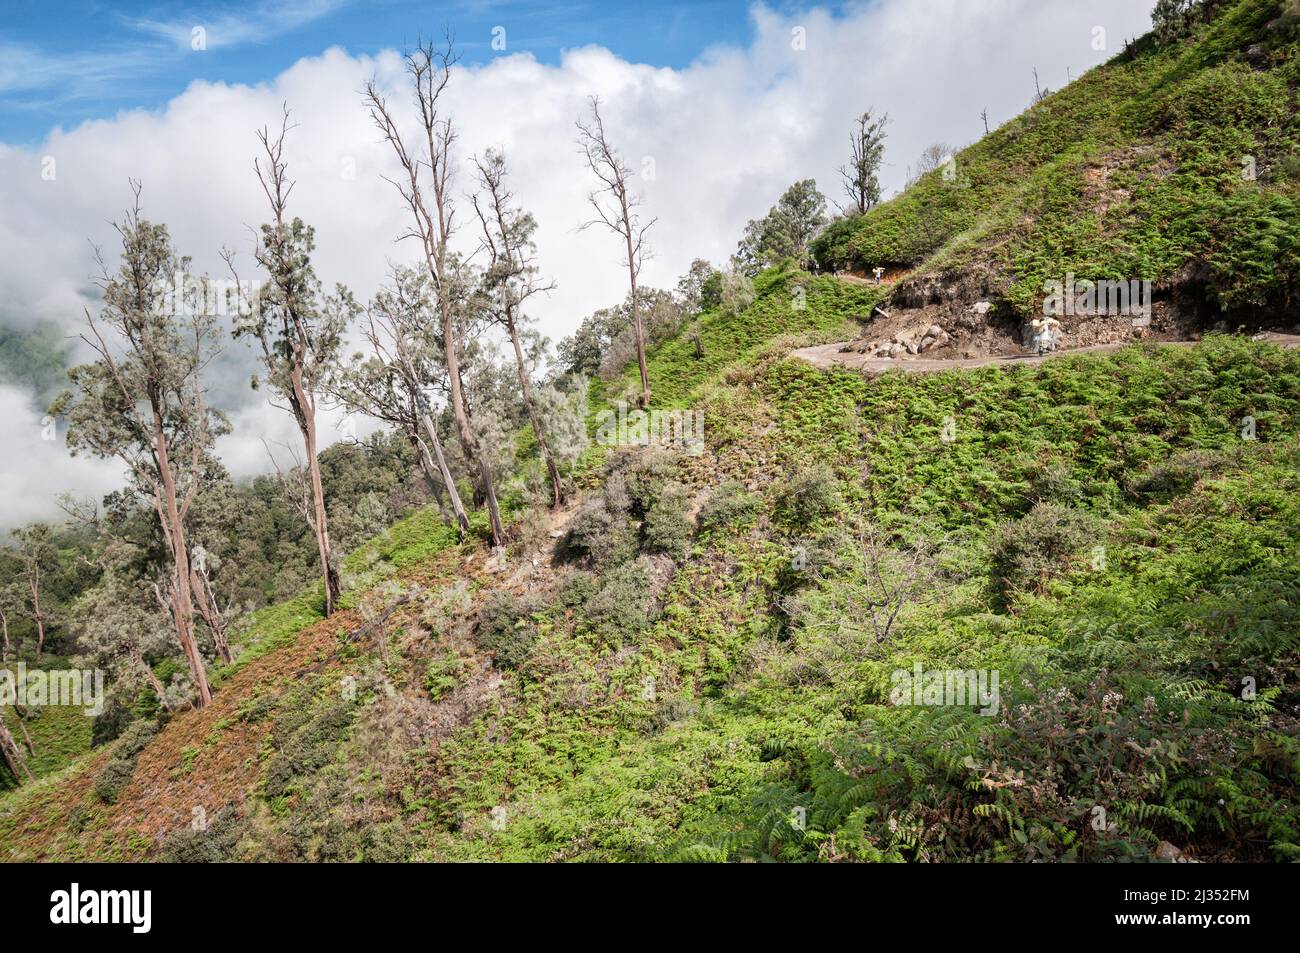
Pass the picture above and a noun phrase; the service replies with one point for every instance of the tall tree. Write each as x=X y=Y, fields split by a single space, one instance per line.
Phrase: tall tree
x=511 y=278
x=38 y=558
x=9 y=598
x=430 y=69
x=866 y=153
x=616 y=208
x=394 y=382
x=142 y=400
x=299 y=330
x=786 y=232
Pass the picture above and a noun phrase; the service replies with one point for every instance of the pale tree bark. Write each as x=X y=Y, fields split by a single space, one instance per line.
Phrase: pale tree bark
x=201 y=583
x=299 y=338
x=163 y=399
x=23 y=715
x=4 y=626
x=172 y=512
x=430 y=71
x=13 y=755
x=32 y=540
x=150 y=676
x=394 y=391
x=34 y=582
x=616 y=209
x=507 y=238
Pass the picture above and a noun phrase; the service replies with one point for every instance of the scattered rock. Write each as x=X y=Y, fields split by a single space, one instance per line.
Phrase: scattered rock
x=982 y=307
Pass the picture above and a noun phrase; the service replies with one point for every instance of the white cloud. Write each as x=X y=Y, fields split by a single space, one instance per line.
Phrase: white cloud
x=35 y=469
x=727 y=134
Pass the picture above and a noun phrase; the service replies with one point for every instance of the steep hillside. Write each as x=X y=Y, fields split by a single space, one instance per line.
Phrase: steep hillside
x=659 y=681
x=709 y=656
x=1177 y=163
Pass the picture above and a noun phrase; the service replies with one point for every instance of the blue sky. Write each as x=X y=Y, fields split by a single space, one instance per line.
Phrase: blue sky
x=65 y=62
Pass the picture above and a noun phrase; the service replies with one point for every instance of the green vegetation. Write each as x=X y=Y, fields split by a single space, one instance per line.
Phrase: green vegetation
x=1173 y=156
x=715 y=657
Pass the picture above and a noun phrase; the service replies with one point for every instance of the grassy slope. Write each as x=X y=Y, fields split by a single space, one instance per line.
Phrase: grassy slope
x=1132 y=171
x=753 y=716
x=391 y=733
x=60 y=734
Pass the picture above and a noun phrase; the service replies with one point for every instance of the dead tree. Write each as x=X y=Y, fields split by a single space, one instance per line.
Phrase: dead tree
x=299 y=333
x=510 y=280
x=430 y=69
x=616 y=209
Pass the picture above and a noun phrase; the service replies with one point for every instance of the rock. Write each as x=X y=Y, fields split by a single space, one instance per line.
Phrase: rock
x=982 y=307
x=927 y=342
x=896 y=349
x=1167 y=851
x=912 y=349
x=935 y=331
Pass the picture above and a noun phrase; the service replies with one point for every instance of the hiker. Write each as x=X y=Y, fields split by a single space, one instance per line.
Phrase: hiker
x=1045 y=331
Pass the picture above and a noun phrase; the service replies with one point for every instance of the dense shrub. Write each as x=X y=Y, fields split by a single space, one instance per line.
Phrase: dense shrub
x=118 y=772
x=506 y=629
x=1176 y=474
x=667 y=525
x=809 y=495
x=1028 y=551
x=214 y=843
x=623 y=606
x=730 y=504
x=304 y=742
x=600 y=529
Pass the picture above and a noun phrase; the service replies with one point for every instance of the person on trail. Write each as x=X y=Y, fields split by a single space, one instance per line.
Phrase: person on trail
x=1045 y=331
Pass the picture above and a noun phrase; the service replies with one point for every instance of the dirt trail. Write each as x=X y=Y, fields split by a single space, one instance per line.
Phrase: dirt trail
x=826 y=356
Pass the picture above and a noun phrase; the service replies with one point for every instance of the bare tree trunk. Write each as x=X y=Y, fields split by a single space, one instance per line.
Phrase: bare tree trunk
x=307 y=424
x=618 y=213
x=21 y=712
x=557 y=489
x=458 y=404
x=211 y=613
x=430 y=71
x=182 y=596
x=4 y=625
x=13 y=755
x=636 y=319
x=430 y=431
x=444 y=471
x=39 y=617
x=149 y=675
